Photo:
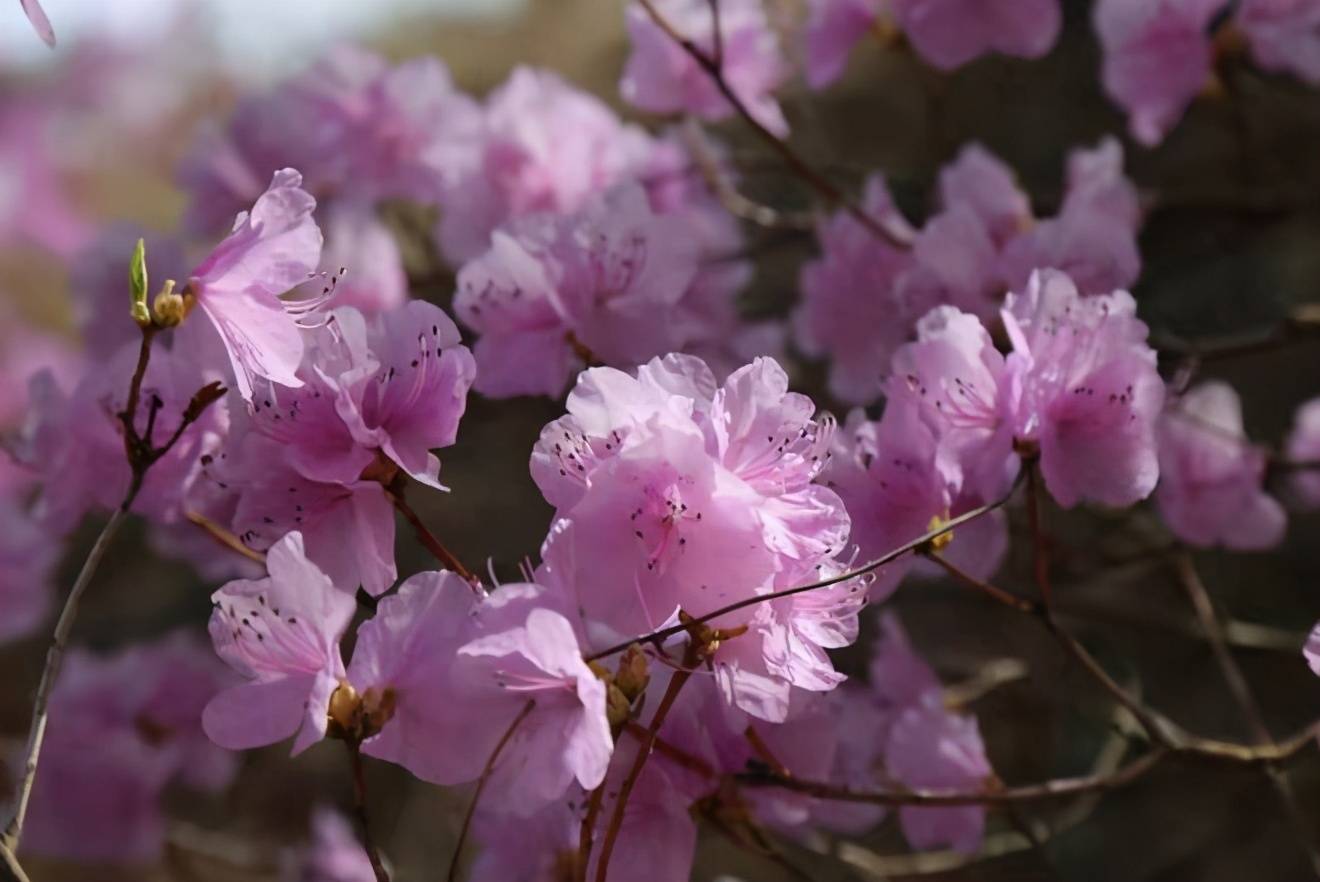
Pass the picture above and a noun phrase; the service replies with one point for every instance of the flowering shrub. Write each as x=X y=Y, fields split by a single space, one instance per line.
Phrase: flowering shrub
x=681 y=651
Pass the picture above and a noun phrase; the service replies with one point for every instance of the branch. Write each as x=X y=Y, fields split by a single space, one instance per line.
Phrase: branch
x=481 y=785
x=1058 y=788
x=428 y=539
x=360 y=805
x=818 y=182
x=663 y=634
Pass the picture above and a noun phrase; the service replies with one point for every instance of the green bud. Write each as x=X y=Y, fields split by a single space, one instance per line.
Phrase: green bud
x=137 y=284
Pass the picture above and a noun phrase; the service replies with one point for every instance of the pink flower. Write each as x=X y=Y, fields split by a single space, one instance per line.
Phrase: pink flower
x=40 y=23
x=1304 y=447
x=123 y=727
x=1080 y=386
x=1284 y=35
x=432 y=648
x=950 y=33
x=675 y=494
x=543 y=146
x=661 y=77
x=334 y=853
x=1157 y=56
x=391 y=390
x=1211 y=477
x=833 y=28
x=608 y=279
x=851 y=308
x=927 y=746
x=896 y=489
x=272 y=250
x=1085 y=388
x=359 y=243
x=282 y=634
x=984 y=184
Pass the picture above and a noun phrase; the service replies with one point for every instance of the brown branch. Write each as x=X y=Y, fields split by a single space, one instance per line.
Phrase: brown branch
x=360 y=805
x=1058 y=788
x=800 y=166
x=452 y=875
x=1246 y=701
x=428 y=539
x=1007 y=598
x=1040 y=558
x=639 y=761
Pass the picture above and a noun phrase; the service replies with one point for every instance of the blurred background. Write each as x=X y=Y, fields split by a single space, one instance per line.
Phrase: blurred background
x=1230 y=245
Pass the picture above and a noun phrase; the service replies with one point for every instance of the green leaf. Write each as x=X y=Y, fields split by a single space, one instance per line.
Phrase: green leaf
x=137 y=283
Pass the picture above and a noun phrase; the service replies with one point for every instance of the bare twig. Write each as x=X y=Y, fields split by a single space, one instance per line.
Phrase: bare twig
x=360 y=806
x=452 y=875
x=224 y=537
x=446 y=557
x=659 y=636
x=800 y=166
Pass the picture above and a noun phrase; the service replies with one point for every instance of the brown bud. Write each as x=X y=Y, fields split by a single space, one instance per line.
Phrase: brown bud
x=633 y=675
x=344 y=711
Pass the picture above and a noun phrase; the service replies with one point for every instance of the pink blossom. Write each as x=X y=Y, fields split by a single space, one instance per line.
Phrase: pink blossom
x=927 y=746
x=950 y=33
x=1211 y=477
x=333 y=854
x=1085 y=388
x=678 y=494
x=123 y=727
x=272 y=250
x=37 y=205
x=896 y=489
x=851 y=308
x=544 y=146
x=40 y=23
x=608 y=279
x=433 y=648
x=1284 y=35
x=984 y=184
x=389 y=391
x=833 y=28
x=282 y=634
x=1157 y=56
x=661 y=77
x=1304 y=447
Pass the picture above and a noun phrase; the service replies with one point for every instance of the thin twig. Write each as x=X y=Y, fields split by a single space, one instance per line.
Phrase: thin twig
x=1058 y=788
x=800 y=166
x=1007 y=598
x=437 y=548
x=659 y=636
x=639 y=761
x=1246 y=700
x=360 y=805
x=452 y=875
x=1041 y=556
x=224 y=537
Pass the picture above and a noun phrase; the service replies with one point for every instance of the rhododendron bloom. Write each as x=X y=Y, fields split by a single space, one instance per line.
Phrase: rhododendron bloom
x=661 y=77
x=1304 y=447
x=378 y=393
x=1080 y=387
x=543 y=145
x=1311 y=650
x=833 y=28
x=1284 y=35
x=1157 y=57
x=433 y=648
x=608 y=280
x=950 y=33
x=282 y=634
x=1211 y=476
x=273 y=249
x=683 y=495
x=896 y=489
x=851 y=309
x=27 y=562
